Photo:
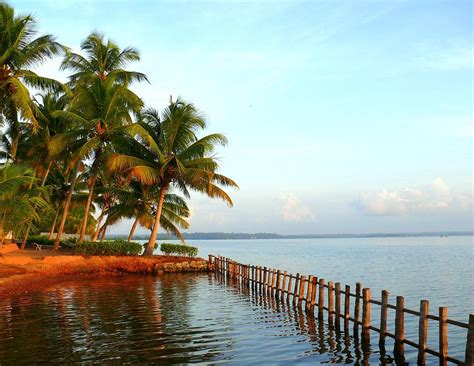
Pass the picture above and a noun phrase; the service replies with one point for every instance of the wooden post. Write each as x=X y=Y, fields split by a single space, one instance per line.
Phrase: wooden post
x=321 y=296
x=330 y=301
x=295 y=291
x=210 y=262
x=357 y=304
x=278 y=284
x=313 y=294
x=366 y=309
x=283 y=285
x=423 y=331
x=301 y=292
x=347 y=305
x=264 y=277
x=383 y=317
x=273 y=283
x=338 y=304
x=443 y=336
x=309 y=292
x=399 y=328
x=288 y=290
x=470 y=342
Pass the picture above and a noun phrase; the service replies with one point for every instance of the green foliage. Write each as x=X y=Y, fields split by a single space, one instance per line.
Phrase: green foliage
x=20 y=49
x=21 y=201
x=41 y=240
x=115 y=247
x=91 y=144
x=178 y=249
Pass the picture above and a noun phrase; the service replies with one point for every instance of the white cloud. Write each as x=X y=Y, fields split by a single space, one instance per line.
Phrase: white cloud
x=293 y=210
x=436 y=197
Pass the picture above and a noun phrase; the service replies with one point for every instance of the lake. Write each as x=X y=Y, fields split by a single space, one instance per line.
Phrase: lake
x=185 y=318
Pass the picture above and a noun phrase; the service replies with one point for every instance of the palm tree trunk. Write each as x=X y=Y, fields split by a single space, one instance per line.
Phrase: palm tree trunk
x=86 y=211
x=151 y=242
x=53 y=226
x=99 y=222
x=104 y=229
x=27 y=234
x=132 y=231
x=66 y=208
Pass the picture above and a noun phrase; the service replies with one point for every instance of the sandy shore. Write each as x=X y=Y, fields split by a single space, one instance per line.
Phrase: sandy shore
x=27 y=270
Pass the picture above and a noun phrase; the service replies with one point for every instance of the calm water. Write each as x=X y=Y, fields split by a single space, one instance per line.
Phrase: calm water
x=179 y=319
x=440 y=270
x=174 y=319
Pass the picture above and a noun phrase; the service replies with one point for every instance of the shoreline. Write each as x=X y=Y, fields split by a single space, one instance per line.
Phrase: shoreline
x=28 y=270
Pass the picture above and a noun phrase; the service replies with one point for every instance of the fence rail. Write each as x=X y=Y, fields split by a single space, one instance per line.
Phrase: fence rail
x=311 y=291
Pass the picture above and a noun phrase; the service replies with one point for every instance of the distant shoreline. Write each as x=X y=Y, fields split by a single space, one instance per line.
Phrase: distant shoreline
x=247 y=236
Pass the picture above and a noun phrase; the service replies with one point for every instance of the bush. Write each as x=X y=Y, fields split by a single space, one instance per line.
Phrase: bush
x=178 y=249
x=41 y=240
x=114 y=247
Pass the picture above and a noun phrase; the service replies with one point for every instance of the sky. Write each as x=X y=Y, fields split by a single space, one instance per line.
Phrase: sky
x=342 y=116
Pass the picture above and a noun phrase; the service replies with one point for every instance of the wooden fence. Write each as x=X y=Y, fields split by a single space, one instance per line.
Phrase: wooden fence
x=310 y=292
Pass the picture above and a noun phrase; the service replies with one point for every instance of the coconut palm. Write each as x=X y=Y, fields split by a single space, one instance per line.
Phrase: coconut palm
x=138 y=202
x=19 y=51
x=102 y=116
x=102 y=104
x=33 y=148
x=103 y=60
x=175 y=157
x=19 y=205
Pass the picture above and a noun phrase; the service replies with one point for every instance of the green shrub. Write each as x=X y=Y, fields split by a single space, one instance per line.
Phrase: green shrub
x=41 y=240
x=113 y=247
x=178 y=249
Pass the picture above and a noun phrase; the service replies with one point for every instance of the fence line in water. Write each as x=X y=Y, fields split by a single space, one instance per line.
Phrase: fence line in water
x=311 y=291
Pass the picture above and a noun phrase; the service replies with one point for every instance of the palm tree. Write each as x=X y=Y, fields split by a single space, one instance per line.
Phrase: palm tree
x=19 y=205
x=175 y=157
x=19 y=51
x=102 y=116
x=138 y=203
x=102 y=105
x=103 y=60
x=34 y=147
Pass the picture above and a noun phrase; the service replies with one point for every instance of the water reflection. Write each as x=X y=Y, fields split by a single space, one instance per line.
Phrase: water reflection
x=174 y=319
x=325 y=338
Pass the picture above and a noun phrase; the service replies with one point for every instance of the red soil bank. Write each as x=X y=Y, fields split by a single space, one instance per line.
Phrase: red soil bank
x=26 y=270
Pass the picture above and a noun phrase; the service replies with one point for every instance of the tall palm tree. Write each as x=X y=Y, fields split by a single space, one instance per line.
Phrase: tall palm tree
x=175 y=157
x=34 y=147
x=102 y=116
x=103 y=60
x=102 y=104
x=19 y=51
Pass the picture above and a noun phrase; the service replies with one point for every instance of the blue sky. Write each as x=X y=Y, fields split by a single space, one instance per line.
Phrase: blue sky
x=342 y=116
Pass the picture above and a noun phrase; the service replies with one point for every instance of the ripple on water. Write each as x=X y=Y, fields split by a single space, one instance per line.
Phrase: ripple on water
x=172 y=319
